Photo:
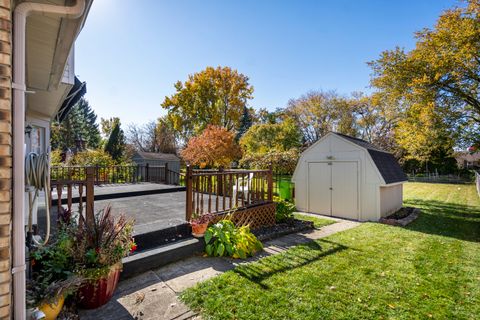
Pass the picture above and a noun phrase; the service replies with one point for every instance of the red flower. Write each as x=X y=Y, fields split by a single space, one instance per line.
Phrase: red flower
x=133 y=246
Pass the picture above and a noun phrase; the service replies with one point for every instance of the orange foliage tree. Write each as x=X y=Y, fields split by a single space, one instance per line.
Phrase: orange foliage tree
x=215 y=147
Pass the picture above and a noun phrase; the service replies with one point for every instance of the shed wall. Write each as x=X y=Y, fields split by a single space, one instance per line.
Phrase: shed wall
x=391 y=199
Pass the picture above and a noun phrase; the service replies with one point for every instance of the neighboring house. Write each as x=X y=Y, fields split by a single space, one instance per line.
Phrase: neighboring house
x=158 y=159
x=347 y=177
x=36 y=77
x=467 y=160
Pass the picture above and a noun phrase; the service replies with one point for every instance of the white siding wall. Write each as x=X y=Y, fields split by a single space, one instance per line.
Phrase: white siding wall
x=391 y=199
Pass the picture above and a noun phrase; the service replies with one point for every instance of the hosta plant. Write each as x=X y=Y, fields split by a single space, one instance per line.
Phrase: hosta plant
x=224 y=239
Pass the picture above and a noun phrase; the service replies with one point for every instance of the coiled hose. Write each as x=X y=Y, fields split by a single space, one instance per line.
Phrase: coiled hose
x=37 y=175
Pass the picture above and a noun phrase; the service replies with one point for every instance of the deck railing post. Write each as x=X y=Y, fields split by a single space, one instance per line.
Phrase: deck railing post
x=90 y=181
x=220 y=182
x=189 y=193
x=166 y=174
x=270 y=184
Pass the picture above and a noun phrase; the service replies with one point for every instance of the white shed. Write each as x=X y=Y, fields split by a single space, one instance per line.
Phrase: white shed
x=346 y=177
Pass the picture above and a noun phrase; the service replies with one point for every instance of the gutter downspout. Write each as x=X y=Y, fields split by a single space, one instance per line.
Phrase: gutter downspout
x=22 y=11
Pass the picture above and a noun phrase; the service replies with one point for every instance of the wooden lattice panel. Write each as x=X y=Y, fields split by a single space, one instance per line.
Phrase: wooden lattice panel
x=255 y=216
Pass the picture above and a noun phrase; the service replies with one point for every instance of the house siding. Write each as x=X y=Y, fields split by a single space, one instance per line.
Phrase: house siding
x=5 y=156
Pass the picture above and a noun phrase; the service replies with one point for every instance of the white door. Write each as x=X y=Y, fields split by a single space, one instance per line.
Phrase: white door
x=344 y=190
x=319 y=183
x=333 y=189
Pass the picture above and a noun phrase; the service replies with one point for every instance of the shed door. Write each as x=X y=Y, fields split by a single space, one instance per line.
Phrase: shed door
x=344 y=190
x=319 y=183
x=333 y=189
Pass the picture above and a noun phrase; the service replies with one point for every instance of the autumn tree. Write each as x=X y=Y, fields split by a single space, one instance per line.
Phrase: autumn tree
x=319 y=112
x=214 y=96
x=262 y=138
x=272 y=144
x=445 y=65
x=424 y=136
x=152 y=137
x=167 y=140
x=375 y=121
x=214 y=147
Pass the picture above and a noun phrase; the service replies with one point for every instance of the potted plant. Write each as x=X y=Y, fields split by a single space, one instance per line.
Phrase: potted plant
x=53 y=276
x=100 y=247
x=199 y=224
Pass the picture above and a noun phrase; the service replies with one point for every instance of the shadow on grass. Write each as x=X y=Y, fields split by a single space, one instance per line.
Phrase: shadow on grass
x=294 y=258
x=447 y=219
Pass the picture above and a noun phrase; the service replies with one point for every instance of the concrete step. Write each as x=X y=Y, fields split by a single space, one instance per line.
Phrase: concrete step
x=160 y=256
x=153 y=236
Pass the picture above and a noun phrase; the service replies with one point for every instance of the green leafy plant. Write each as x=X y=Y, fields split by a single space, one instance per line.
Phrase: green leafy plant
x=284 y=211
x=53 y=271
x=224 y=239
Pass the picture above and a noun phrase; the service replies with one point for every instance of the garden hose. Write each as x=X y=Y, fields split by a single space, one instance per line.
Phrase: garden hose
x=37 y=175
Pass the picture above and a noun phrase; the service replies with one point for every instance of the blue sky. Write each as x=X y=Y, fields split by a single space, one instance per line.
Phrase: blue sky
x=131 y=53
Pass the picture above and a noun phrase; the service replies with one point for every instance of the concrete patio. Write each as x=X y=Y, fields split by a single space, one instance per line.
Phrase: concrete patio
x=154 y=294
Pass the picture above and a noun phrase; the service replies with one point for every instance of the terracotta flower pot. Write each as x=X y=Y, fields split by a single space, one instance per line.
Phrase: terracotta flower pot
x=96 y=294
x=198 y=229
x=52 y=310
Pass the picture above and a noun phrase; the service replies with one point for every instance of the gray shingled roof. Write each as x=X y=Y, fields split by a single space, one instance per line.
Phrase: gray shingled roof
x=385 y=161
x=158 y=156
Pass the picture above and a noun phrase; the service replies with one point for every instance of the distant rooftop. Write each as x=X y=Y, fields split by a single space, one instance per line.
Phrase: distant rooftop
x=158 y=156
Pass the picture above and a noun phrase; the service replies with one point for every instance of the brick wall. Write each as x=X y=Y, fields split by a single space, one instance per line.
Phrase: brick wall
x=5 y=156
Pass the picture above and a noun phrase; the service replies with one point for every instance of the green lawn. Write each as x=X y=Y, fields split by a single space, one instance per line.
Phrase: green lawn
x=317 y=222
x=431 y=269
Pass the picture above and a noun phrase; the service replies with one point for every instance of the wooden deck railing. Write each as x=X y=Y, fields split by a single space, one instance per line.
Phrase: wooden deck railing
x=217 y=191
x=117 y=174
x=84 y=183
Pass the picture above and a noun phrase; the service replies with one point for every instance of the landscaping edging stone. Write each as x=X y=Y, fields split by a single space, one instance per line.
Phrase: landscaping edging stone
x=282 y=229
x=402 y=222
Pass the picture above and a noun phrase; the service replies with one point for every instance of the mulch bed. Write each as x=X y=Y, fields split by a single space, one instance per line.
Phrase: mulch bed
x=281 y=229
x=402 y=217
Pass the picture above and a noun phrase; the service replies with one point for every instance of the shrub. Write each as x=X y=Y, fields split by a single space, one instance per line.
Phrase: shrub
x=56 y=158
x=53 y=271
x=285 y=210
x=91 y=158
x=224 y=239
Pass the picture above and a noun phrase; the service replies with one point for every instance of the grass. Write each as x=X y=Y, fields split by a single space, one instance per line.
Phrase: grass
x=430 y=269
x=317 y=222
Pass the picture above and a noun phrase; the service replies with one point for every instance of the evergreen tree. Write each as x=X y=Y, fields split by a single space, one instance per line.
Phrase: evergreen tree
x=246 y=122
x=116 y=143
x=79 y=123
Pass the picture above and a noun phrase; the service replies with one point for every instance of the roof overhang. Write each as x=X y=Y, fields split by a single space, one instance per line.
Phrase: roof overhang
x=49 y=58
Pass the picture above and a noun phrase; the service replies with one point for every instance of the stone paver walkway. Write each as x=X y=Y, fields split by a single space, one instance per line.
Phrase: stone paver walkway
x=153 y=295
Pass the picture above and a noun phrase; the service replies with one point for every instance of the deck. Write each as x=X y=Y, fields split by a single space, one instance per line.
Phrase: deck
x=153 y=206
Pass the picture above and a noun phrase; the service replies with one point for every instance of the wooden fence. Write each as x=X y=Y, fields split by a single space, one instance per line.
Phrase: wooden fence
x=248 y=193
